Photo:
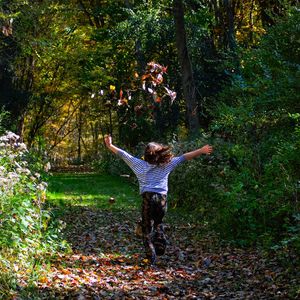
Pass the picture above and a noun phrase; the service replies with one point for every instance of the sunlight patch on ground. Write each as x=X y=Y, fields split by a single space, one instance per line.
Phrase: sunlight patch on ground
x=104 y=191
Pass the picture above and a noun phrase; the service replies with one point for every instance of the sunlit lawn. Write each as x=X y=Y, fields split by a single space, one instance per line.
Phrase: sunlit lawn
x=92 y=190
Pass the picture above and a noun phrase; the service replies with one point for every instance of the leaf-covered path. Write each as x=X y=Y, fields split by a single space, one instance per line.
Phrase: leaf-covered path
x=107 y=262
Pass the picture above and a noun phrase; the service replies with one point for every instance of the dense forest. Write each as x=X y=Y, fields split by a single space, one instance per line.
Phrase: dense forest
x=180 y=72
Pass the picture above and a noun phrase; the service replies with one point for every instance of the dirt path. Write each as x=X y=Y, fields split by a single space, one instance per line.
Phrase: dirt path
x=107 y=263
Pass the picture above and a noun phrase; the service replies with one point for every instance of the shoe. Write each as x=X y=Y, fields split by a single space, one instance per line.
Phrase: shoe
x=151 y=258
x=160 y=243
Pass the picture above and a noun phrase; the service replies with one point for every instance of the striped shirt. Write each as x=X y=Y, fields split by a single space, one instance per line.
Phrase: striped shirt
x=151 y=178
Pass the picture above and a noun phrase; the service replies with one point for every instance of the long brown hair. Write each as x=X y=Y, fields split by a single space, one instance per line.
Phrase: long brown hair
x=157 y=154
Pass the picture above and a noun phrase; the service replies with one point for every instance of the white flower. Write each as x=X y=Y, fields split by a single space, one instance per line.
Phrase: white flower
x=41 y=187
x=21 y=146
x=47 y=167
x=4 y=139
x=3 y=181
x=18 y=165
x=26 y=171
x=12 y=136
x=19 y=170
x=12 y=175
x=45 y=184
x=150 y=91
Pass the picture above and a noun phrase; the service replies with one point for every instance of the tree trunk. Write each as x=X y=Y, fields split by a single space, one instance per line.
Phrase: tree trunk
x=189 y=88
x=79 y=136
x=229 y=9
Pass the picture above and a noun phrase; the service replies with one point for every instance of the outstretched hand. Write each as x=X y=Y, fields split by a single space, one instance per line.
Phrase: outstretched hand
x=109 y=144
x=207 y=149
x=108 y=140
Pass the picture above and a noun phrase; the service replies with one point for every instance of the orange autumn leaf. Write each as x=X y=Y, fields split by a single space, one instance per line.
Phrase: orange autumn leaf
x=145 y=76
x=43 y=279
x=66 y=271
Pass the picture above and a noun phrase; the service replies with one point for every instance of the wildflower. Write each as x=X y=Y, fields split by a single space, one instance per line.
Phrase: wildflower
x=26 y=171
x=21 y=146
x=47 y=167
x=41 y=187
x=12 y=136
x=19 y=170
x=12 y=175
x=4 y=139
x=3 y=181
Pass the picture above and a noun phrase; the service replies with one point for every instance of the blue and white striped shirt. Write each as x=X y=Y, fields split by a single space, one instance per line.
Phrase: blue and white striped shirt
x=151 y=178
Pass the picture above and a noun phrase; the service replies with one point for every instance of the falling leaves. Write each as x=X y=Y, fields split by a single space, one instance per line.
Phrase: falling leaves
x=122 y=100
x=152 y=81
x=7 y=29
x=171 y=94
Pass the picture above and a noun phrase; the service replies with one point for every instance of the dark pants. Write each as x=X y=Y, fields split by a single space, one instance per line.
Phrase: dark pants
x=154 y=208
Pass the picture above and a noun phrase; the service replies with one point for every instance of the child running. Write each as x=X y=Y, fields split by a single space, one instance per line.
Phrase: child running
x=152 y=174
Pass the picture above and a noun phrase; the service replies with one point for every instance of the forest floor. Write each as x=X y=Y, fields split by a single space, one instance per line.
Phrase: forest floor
x=106 y=260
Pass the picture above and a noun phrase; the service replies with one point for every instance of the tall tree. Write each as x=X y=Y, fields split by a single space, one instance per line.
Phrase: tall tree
x=224 y=11
x=188 y=83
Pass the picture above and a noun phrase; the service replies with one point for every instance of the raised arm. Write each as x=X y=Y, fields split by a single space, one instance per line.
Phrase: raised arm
x=207 y=149
x=109 y=145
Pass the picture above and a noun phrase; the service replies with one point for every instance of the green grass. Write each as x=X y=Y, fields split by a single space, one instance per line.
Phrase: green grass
x=92 y=190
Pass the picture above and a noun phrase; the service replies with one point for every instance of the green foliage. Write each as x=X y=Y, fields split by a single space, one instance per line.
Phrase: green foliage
x=259 y=118
x=3 y=117
x=24 y=225
x=191 y=184
x=249 y=188
x=145 y=35
x=111 y=164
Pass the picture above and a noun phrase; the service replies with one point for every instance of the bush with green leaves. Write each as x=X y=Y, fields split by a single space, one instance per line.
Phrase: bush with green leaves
x=24 y=234
x=191 y=184
x=259 y=118
x=249 y=188
x=108 y=162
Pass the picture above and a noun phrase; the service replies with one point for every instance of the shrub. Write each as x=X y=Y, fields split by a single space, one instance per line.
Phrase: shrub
x=24 y=222
x=258 y=117
x=248 y=188
x=110 y=163
x=191 y=183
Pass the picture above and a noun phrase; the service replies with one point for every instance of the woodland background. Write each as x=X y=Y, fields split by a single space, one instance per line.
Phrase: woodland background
x=73 y=71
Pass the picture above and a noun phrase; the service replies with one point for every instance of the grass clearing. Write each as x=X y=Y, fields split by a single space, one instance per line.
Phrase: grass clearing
x=95 y=190
x=92 y=190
